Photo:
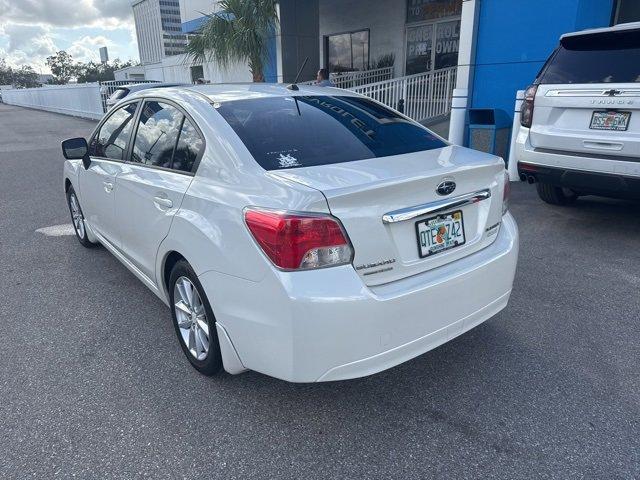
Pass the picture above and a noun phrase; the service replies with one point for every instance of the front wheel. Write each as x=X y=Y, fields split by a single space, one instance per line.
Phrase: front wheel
x=555 y=195
x=193 y=320
x=77 y=218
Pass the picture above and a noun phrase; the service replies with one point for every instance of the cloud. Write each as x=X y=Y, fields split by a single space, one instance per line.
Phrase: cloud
x=86 y=48
x=75 y=13
x=33 y=39
x=27 y=44
x=31 y=30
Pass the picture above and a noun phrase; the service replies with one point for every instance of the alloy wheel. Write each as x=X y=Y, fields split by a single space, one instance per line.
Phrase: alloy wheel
x=76 y=215
x=191 y=317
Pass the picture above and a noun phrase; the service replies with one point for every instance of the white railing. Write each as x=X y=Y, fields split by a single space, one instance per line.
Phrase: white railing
x=420 y=96
x=108 y=87
x=355 y=79
x=80 y=100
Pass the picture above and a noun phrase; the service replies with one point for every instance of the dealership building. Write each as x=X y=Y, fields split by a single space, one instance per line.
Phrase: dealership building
x=492 y=47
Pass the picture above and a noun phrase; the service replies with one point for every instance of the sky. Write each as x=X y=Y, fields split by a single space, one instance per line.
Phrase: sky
x=31 y=30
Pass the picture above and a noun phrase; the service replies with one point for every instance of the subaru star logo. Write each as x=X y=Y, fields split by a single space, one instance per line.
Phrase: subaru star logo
x=446 y=187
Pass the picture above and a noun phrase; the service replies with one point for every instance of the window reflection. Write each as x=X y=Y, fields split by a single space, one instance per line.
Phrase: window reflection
x=111 y=140
x=348 y=51
x=157 y=134
x=189 y=146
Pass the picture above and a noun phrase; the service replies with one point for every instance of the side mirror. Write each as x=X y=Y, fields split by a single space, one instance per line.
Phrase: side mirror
x=76 y=148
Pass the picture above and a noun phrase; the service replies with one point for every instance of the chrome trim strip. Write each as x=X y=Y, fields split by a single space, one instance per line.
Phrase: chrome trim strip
x=594 y=92
x=409 y=213
x=569 y=153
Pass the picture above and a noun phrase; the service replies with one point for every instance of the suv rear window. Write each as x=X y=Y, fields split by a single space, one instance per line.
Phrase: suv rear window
x=305 y=131
x=612 y=57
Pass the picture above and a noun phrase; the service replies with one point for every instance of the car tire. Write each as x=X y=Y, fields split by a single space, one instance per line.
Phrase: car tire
x=193 y=320
x=555 y=195
x=77 y=219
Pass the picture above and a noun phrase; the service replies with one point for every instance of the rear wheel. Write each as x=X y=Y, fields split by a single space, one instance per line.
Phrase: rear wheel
x=555 y=195
x=193 y=320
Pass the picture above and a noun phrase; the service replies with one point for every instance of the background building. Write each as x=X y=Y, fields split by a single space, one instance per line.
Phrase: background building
x=294 y=39
x=158 y=29
x=489 y=48
x=505 y=43
x=415 y=36
x=104 y=54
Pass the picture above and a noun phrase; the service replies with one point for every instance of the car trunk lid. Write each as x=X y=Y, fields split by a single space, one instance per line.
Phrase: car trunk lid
x=360 y=193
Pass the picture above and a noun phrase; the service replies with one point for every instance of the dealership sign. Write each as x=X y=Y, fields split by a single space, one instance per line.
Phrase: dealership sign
x=421 y=10
x=422 y=40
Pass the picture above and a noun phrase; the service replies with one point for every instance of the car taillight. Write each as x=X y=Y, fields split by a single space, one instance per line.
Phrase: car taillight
x=526 y=111
x=296 y=241
x=506 y=193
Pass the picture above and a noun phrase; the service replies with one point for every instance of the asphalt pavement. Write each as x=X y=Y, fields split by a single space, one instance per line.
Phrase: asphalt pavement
x=93 y=383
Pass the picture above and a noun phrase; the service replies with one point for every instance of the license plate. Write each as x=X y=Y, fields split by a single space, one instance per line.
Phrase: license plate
x=437 y=234
x=618 y=121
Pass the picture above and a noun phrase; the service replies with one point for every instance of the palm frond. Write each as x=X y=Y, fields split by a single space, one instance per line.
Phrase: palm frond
x=237 y=33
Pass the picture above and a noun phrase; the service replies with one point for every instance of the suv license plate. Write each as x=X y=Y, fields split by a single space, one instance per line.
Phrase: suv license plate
x=618 y=121
x=437 y=234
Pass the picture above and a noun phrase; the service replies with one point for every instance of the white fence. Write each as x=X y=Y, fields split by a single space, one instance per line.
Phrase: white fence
x=107 y=88
x=355 y=79
x=80 y=100
x=420 y=96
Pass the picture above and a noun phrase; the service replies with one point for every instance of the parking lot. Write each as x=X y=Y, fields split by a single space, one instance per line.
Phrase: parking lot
x=93 y=383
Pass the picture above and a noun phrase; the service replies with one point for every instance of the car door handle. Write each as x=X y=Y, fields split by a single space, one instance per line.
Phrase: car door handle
x=108 y=186
x=163 y=202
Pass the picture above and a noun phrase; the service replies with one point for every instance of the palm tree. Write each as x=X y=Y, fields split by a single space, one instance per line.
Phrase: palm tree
x=237 y=33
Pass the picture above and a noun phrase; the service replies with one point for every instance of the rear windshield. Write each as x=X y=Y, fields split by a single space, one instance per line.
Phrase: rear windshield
x=612 y=57
x=304 y=131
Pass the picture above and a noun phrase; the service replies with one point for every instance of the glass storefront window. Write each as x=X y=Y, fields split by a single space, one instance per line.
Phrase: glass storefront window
x=433 y=43
x=432 y=46
x=360 y=50
x=447 y=44
x=419 y=49
x=348 y=51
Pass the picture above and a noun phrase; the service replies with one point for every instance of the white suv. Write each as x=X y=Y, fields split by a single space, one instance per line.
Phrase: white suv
x=580 y=120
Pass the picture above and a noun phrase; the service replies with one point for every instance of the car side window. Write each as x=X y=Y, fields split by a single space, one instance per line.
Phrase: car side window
x=112 y=139
x=157 y=134
x=188 y=148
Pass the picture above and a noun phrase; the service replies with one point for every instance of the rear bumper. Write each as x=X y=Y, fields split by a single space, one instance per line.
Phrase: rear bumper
x=588 y=174
x=327 y=325
x=585 y=183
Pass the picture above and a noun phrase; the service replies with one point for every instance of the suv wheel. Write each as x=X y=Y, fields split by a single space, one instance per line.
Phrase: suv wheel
x=555 y=195
x=193 y=320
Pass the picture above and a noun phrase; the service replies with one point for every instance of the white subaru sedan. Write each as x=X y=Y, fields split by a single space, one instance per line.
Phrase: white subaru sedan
x=310 y=234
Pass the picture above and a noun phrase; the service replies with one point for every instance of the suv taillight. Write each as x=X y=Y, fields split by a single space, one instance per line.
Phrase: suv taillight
x=526 y=112
x=297 y=241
